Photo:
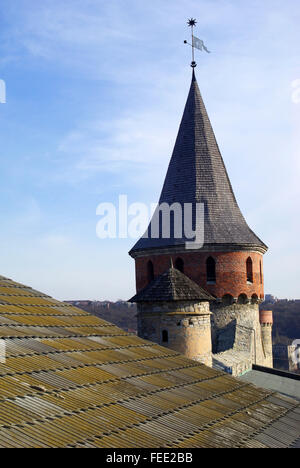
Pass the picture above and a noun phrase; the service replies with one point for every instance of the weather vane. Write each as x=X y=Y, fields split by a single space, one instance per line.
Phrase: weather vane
x=196 y=42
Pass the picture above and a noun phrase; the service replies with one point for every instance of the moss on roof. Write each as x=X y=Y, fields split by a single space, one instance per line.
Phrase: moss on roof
x=73 y=380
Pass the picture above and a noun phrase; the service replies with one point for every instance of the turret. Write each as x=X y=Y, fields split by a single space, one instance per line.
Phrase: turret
x=266 y=321
x=174 y=312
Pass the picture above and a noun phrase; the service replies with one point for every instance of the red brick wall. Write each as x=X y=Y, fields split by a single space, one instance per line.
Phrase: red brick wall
x=231 y=273
x=266 y=317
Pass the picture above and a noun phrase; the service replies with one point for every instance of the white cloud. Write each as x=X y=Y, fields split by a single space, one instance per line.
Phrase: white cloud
x=139 y=139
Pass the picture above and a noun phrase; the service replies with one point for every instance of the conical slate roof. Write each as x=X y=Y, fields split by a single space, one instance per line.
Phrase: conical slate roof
x=172 y=286
x=197 y=174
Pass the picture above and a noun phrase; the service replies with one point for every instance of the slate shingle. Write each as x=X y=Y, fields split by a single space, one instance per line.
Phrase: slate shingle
x=197 y=174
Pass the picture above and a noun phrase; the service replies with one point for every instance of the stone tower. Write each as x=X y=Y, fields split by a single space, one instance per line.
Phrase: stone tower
x=173 y=311
x=229 y=265
x=266 y=320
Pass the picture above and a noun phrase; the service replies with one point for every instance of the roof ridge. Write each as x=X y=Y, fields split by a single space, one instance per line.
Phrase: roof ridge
x=172 y=285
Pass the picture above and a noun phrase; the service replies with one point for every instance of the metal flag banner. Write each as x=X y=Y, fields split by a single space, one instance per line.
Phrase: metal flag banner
x=199 y=44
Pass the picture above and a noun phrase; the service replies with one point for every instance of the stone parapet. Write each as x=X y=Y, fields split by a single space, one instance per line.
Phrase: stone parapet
x=233 y=362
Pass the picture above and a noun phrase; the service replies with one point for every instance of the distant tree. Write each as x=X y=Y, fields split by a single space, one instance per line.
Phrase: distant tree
x=119 y=313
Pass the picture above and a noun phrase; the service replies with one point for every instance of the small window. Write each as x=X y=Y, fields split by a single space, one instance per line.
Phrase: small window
x=211 y=270
x=150 y=271
x=165 y=336
x=260 y=273
x=249 y=266
x=179 y=265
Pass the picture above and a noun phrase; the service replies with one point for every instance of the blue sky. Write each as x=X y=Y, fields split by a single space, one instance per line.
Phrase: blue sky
x=95 y=94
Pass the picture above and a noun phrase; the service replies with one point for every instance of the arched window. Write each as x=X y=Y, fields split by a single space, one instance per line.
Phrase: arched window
x=150 y=271
x=210 y=270
x=227 y=299
x=249 y=267
x=242 y=299
x=165 y=336
x=179 y=265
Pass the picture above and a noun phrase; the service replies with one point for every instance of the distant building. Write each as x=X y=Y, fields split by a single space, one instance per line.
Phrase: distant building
x=79 y=303
x=270 y=299
x=284 y=357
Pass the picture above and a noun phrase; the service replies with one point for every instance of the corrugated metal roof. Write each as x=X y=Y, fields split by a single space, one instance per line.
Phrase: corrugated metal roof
x=73 y=380
x=276 y=383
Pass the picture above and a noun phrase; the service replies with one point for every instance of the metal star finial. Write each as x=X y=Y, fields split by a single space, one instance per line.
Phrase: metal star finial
x=192 y=22
x=196 y=42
